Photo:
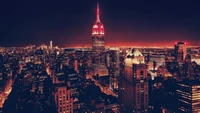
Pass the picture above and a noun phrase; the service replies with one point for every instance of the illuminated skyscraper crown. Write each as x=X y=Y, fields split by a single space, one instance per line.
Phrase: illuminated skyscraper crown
x=98 y=28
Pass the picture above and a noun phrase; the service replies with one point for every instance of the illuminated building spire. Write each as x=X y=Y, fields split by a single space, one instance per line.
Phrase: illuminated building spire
x=98 y=13
x=98 y=28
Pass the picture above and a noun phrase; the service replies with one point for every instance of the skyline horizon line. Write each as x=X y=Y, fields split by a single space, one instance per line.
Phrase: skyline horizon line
x=108 y=45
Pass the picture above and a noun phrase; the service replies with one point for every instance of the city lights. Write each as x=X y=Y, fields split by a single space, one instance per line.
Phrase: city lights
x=142 y=61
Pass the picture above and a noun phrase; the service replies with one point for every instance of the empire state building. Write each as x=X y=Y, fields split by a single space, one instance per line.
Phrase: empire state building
x=98 y=46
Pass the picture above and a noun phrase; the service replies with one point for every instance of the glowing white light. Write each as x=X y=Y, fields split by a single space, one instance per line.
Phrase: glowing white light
x=102 y=33
x=95 y=26
x=94 y=33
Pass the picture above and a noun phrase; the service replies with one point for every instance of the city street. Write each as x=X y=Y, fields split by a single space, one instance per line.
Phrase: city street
x=106 y=90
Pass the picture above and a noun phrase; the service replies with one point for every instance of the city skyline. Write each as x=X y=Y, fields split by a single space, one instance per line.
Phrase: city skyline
x=99 y=56
x=130 y=23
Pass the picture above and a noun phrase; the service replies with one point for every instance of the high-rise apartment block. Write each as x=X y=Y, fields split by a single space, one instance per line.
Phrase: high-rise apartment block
x=114 y=67
x=180 y=51
x=63 y=99
x=188 y=94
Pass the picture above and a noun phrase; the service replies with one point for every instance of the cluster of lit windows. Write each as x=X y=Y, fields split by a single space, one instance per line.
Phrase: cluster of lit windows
x=183 y=85
x=189 y=97
x=96 y=33
x=186 y=102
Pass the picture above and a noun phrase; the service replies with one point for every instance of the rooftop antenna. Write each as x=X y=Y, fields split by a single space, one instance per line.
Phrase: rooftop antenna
x=98 y=13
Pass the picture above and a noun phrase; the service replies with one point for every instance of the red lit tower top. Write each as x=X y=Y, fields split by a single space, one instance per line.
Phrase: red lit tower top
x=98 y=28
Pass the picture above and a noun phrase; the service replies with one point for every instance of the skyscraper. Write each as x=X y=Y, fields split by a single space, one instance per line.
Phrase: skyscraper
x=63 y=99
x=188 y=97
x=133 y=86
x=51 y=44
x=114 y=67
x=98 y=46
x=180 y=51
x=63 y=94
x=76 y=65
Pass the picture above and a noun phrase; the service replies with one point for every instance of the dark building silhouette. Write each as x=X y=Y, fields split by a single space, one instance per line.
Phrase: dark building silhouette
x=114 y=67
x=180 y=51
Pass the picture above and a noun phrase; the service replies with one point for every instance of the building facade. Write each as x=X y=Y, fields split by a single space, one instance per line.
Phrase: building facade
x=180 y=51
x=63 y=94
x=114 y=67
x=63 y=99
x=133 y=87
x=188 y=97
x=98 y=47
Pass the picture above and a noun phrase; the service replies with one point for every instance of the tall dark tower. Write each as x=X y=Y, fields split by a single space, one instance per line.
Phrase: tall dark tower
x=180 y=51
x=98 y=46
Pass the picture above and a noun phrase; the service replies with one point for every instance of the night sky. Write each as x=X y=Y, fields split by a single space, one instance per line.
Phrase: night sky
x=127 y=22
